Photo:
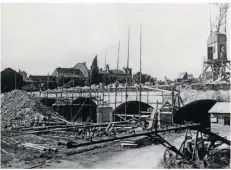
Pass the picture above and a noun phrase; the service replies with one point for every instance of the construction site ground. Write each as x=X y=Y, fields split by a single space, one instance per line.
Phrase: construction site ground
x=106 y=155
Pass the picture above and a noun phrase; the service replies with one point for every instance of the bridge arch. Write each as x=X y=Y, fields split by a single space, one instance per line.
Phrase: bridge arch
x=84 y=100
x=84 y=107
x=132 y=109
x=79 y=110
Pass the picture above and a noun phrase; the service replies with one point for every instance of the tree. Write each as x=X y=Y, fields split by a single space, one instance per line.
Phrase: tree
x=144 y=78
x=94 y=74
x=111 y=79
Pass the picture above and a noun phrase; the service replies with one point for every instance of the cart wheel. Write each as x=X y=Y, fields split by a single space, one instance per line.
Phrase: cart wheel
x=169 y=158
x=209 y=162
x=184 y=165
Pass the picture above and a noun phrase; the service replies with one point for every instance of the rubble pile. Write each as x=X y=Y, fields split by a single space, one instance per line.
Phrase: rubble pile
x=18 y=109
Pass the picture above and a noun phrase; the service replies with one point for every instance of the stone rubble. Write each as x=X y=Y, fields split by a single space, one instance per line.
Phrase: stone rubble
x=18 y=109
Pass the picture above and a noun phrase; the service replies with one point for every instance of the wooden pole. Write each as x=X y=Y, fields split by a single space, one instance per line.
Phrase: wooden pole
x=117 y=76
x=140 y=76
x=90 y=91
x=126 y=95
x=40 y=88
x=211 y=27
x=15 y=81
x=105 y=60
x=102 y=106
x=47 y=87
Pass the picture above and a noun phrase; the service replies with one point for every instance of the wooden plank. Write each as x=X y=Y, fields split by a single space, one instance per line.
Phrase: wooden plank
x=68 y=128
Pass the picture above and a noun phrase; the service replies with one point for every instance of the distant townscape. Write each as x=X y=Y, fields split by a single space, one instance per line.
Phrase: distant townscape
x=81 y=75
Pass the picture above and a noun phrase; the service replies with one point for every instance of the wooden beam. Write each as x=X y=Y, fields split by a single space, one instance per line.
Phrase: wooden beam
x=137 y=134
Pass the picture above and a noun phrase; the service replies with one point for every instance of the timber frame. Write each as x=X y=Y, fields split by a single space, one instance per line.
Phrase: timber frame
x=220 y=69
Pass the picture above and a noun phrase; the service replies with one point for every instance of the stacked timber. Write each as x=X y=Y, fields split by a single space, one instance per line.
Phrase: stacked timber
x=39 y=147
x=137 y=141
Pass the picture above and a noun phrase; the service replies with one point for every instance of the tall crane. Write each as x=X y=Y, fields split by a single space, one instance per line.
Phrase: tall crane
x=217 y=46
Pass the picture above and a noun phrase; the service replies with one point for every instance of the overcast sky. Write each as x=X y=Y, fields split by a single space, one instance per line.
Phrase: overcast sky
x=37 y=38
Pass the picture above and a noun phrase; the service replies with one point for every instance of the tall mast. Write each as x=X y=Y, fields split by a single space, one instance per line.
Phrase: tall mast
x=140 y=74
x=117 y=74
x=127 y=75
x=90 y=89
x=210 y=19
x=105 y=60
x=15 y=81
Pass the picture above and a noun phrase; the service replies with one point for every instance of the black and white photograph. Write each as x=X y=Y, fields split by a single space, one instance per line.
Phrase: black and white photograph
x=115 y=85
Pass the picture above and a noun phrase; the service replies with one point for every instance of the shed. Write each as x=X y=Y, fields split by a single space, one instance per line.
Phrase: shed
x=190 y=77
x=10 y=79
x=221 y=111
x=182 y=76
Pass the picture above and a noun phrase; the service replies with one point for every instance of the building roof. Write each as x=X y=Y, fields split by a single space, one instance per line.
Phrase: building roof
x=30 y=81
x=190 y=76
x=181 y=75
x=82 y=64
x=7 y=70
x=83 y=68
x=103 y=72
x=220 y=107
x=39 y=78
x=69 y=72
x=115 y=71
x=213 y=38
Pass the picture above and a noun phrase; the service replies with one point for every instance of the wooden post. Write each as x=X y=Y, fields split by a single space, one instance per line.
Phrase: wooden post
x=156 y=116
x=140 y=76
x=173 y=105
x=117 y=77
x=127 y=75
x=103 y=105
x=147 y=97
x=15 y=81
x=72 y=99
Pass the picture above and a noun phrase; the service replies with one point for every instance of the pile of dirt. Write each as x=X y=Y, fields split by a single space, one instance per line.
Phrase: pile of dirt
x=18 y=109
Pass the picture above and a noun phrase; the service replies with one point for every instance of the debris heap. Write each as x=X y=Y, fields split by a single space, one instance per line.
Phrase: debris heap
x=18 y=109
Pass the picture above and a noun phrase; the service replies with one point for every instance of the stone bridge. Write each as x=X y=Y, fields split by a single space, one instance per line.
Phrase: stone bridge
x=109 y=97
x=104 y=98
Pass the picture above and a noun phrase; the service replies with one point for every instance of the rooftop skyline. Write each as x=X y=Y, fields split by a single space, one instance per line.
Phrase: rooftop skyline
x=38 y=38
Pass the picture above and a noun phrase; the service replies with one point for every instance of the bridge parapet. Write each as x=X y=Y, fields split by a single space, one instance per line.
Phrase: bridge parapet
x=110 y=96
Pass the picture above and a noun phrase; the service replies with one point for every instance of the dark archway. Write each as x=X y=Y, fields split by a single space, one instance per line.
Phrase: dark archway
x=48 y=101
x=196 y=112
x=132 y=108
x=80 y=109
